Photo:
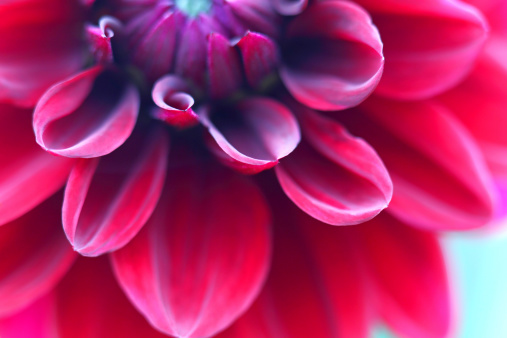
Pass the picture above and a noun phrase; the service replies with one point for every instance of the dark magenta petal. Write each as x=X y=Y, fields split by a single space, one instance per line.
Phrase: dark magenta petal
x=334 y=177
x=191 y=56
x=257 y=132
x=430 y=45
x=315 y=287
x=107 y=201
x=35 y=255
x=259 y=15
x=202 y=258
x=483 y=110
x=100 y=38
x=333 y=58
x=224 y=66
x=260 y=58
x=439 y=175
x=408 y=276
x=41 y=44
x=28 y=174
x=290 y=7
x=88 y=115
x=170 y=94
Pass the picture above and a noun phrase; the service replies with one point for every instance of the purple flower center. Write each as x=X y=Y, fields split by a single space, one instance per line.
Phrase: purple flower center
x=193 y=7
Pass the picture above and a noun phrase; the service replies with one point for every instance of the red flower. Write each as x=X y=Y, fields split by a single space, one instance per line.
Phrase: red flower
x=199 y=248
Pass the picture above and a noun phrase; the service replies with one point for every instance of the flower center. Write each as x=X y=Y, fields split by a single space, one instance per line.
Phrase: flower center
x=193 y=7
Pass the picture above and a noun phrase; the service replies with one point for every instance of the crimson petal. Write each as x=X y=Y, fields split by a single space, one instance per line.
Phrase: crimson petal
x=88 y=115
x=409 y=279
x=430 y=45
x=333 y=59
x=41 y=44
x=170 y=94
x=34 y=255
x=107 y=201
x=315 y=287
x=253 y=137
x=100 y=38
x=333 y=176
x=28 y=175
x=440 y=178
x=202 y=257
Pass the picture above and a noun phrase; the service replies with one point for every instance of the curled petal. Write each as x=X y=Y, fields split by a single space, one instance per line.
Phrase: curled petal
x=170 y=93
x=203 y=256
x=315 y=287
x=223 y=66
x=88 y=115
x=483 y=110
x=260 y=57
x=430 y=45
x=256 y=133
x=333 y=59
x=100 y=38
x=41 y=44
x=290 y=7
x=34 y=256
x=28 y=174
x=334 y=177
x=410 y=260
x=107 y=201
x=439 y=176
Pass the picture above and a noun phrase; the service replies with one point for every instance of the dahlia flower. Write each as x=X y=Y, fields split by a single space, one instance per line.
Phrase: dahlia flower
x=225 y=163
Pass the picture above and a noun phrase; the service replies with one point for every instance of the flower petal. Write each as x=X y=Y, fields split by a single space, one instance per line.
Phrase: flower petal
x=333 y=58
x=315 y=287
x=224 y=66
x=334 y=177
x=41 y=44
x=100 y=38
x=430 y=45
x=108 y=201
x=260 y=57
x=88 y=115
x=203 y=256
x=290 y=7
x=28 y=175
x=170 y=93
x=254 y=136
x=409 y=279
x=483 y=110
x=439 y=176
x=34 y=255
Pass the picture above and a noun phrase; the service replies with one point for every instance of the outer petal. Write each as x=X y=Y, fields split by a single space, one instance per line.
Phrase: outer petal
x=480 y=101
x=410 y=285
x=334 y=177
x=254 y=136
x=333 y=58
x=315 y=287
x=88 y=115
x=34 y=255
x=440 y=179
x=203 y=256
x=28 y=175
x=430 y=45
x=108 y=201
x=41 y=44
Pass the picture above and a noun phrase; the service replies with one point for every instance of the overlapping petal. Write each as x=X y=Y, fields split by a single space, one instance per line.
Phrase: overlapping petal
x=407 y=272
x=429 y=45
x=108 y=200
x=88 y=115
x=224 y=66
x=28 y=175
x=440 y=178
x=253 y=135
x=334 y=177
x=332 y=56
x=34 y=255
x=202 y=257
x=41 y=44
